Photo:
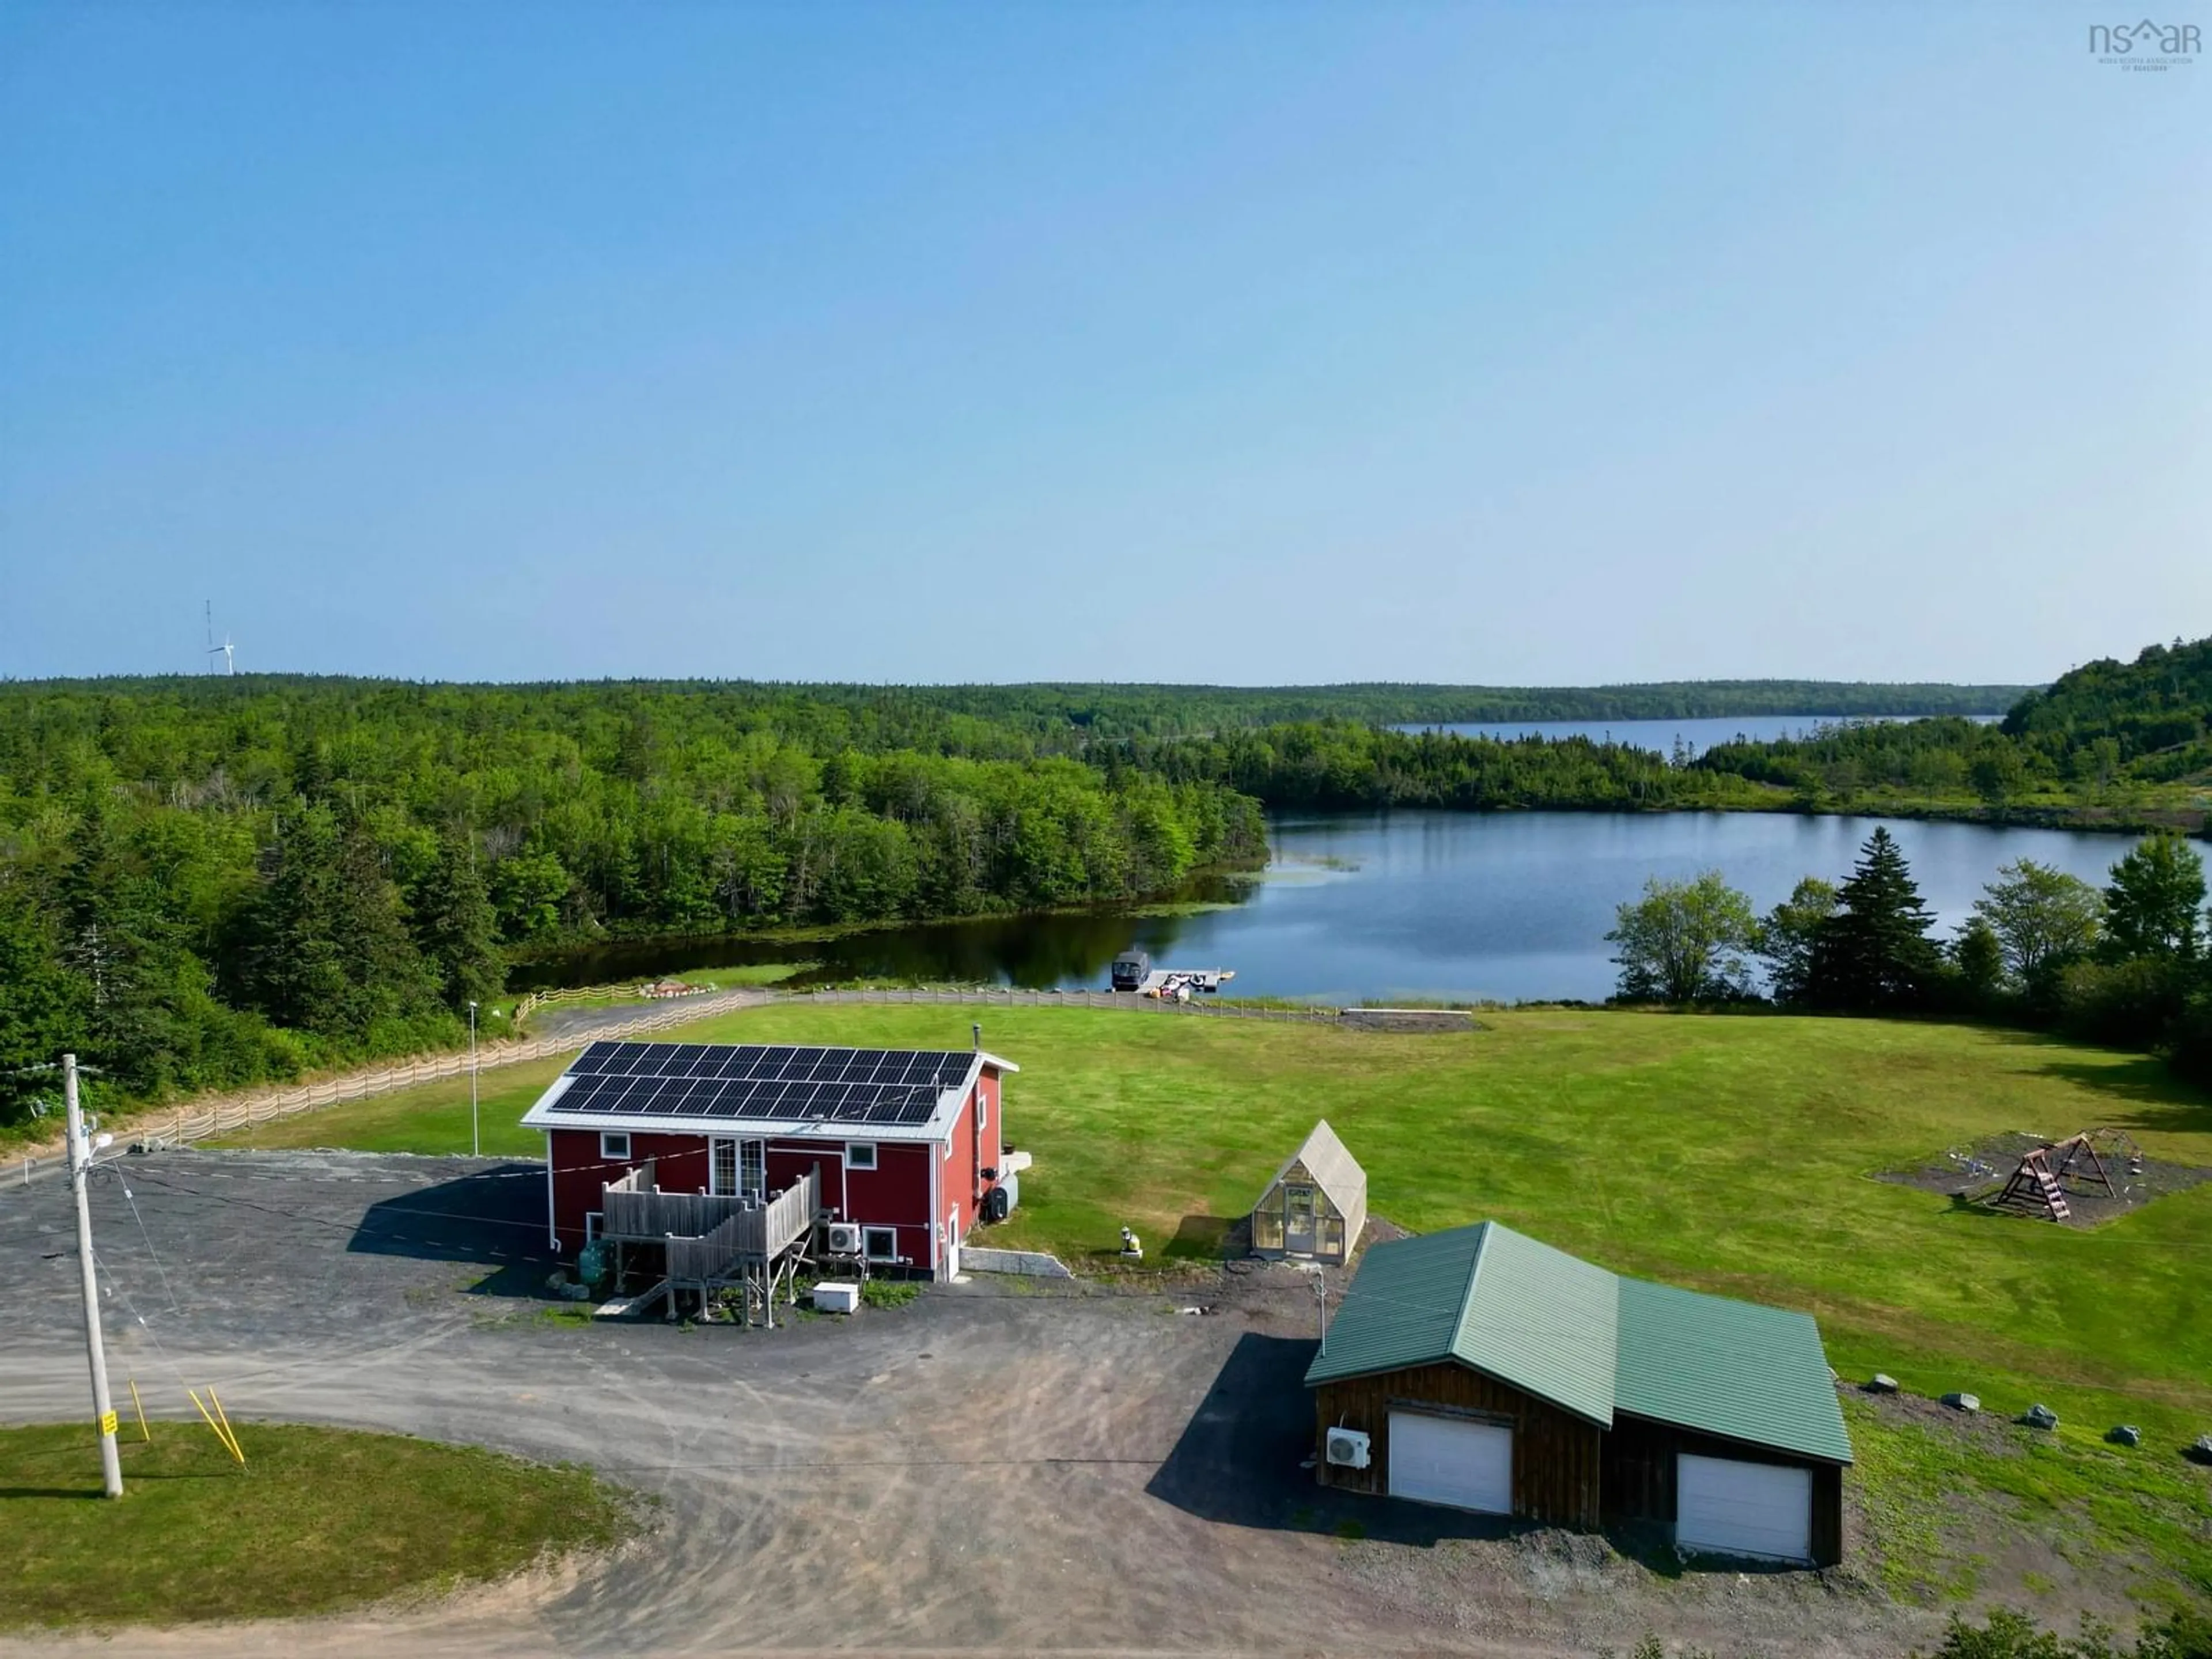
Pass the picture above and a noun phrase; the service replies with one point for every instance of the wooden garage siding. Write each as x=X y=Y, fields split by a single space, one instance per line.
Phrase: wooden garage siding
x=1556 y=1459
x=1639 y=1472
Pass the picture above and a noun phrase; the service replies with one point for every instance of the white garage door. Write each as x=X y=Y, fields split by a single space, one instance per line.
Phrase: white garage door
x=1743 y=1508
x=1446 y=1460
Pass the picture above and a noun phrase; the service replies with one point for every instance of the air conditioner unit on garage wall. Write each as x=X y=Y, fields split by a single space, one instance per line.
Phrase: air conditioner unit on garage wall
x=844 y=1238
x=1347 y=1448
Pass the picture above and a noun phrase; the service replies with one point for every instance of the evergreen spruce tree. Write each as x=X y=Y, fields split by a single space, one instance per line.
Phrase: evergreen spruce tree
x=41 y=1006
x=332 y=952
x=456 y=927
x=134 y=974
x=1874 y=952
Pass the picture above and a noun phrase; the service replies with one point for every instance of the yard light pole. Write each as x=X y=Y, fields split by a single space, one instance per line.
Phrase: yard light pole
x=80 y=1160
x=475 y=1135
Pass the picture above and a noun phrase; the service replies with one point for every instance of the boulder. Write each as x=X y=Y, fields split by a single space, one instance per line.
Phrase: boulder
x=2124 y=1434
x=1965 y=1402
x=2041 y=1417
x=1882 y=1383
x=2201 y=1452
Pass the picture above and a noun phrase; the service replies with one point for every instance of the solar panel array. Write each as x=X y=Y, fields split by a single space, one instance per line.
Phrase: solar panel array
x=753 y=1080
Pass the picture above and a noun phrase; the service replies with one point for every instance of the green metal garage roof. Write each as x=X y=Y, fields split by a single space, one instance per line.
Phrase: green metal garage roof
x=1555 y=1327
x=1485 y=1296
x=1733 y=1369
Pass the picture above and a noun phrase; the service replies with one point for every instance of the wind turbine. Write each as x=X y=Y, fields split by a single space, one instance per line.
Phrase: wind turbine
x=229 y=656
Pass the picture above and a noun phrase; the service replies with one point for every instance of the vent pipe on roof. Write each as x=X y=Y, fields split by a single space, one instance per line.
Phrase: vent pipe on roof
x=976 y=1032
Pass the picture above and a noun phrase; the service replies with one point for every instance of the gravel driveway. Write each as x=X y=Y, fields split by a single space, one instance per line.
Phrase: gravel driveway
x=994 y=1468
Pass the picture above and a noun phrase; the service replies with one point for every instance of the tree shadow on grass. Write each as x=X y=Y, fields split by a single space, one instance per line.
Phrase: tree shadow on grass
x=493 y=1218
x=2146 y=1093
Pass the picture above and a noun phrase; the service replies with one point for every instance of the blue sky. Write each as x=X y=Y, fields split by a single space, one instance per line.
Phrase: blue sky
x=1243 y=343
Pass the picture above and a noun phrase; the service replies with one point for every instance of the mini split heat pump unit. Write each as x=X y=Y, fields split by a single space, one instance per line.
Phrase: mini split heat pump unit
x=844 y=1238
x=1347 y=1448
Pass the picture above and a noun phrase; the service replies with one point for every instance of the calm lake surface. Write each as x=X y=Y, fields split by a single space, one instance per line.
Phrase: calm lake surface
x=1693 y=736
x=1508 y=906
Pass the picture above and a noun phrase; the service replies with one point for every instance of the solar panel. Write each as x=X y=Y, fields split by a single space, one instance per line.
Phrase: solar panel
x=741 y=1061
x=761 y=1082
x=592 y=1060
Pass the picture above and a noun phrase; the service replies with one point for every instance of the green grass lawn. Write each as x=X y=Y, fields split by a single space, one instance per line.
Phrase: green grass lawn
x=316 y=1519
x=1726 y=1153
x=431 y=1117
x=1730 y=1154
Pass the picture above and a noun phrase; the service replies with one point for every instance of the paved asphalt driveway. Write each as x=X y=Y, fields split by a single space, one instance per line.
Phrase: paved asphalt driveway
x=986 y=1470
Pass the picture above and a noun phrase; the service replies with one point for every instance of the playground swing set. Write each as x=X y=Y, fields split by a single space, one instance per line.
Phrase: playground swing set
x=2038 y=1186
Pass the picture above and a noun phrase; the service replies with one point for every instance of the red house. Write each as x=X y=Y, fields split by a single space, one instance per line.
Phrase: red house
x=904 y=1143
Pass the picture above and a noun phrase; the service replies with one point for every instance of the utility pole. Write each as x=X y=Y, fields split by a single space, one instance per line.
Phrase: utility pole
x=79 y=1156
x=476 y=1135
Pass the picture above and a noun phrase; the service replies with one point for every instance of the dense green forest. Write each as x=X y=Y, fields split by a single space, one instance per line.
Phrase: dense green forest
x=1334 y=764
x=1122 y=711
x=2108 y=740
x=2108 y=734
x=212 y=880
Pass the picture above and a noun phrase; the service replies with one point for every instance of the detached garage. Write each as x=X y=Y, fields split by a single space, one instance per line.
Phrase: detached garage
x=1481 y=1369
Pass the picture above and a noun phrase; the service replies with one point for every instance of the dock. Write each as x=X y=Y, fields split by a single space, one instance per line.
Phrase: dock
x=1177 y=984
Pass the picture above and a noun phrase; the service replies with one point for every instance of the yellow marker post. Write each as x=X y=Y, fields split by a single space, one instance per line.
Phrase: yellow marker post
x=229 y=1433
x=139 y=1405
x=222 y=1438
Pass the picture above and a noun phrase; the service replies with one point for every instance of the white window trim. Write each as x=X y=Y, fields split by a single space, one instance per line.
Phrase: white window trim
x=869 y=1235
x=593 y=1218
x=854 y=1161
x=607 y=1152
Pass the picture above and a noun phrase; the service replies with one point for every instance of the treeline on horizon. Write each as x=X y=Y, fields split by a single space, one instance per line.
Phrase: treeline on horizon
x=1065 y=718
x=209 y=881
x=2106 y=739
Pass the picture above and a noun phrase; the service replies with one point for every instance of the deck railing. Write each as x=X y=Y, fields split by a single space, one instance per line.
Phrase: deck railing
x=707 y=1235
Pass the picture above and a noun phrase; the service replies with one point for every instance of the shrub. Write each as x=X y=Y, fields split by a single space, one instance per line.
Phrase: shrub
x=2129 y=1004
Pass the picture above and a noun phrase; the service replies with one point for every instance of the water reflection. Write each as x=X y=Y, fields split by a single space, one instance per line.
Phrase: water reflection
x=1507 y=905
x=1070 y=950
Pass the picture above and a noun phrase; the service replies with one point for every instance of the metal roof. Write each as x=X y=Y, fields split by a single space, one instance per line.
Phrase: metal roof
x=1543 y=1320
x=1404 y=1306
x=1520 y=1311
x=1334 y=1169
x=1593 y=1344
x=1728 y=1368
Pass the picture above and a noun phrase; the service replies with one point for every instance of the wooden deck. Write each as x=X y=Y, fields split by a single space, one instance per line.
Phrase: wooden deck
x=709 y=1236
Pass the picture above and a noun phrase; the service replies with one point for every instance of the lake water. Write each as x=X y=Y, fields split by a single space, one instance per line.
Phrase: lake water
x=1508 y=906
x=1694 y=736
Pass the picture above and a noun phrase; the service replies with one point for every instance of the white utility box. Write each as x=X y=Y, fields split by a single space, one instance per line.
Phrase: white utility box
x=833 y=1297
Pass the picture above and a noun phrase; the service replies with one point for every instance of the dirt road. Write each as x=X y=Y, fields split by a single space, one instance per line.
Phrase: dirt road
x=989 y=1470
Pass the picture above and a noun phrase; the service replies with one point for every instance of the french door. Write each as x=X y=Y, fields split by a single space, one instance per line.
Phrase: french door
x=737 y=1169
